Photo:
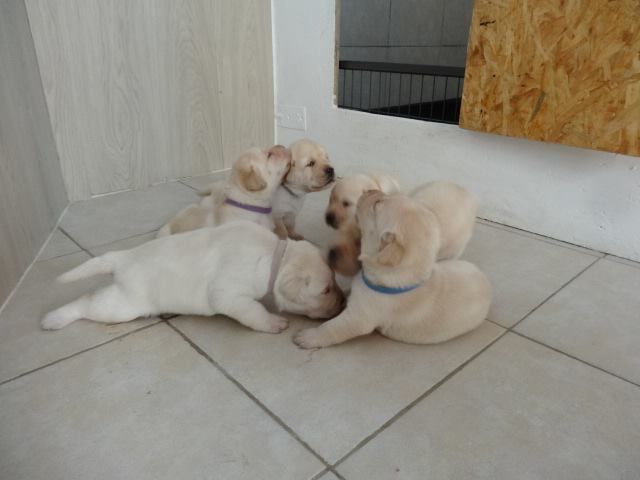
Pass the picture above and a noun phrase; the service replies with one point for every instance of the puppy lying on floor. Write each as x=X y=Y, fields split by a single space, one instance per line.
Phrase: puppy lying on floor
x=310 y=172
x=224 y=270
x=402 y=292
x=454 y=209
x=247 y=195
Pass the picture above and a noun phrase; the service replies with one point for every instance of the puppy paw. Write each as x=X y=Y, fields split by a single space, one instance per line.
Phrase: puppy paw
x=54 y=321
x=295 y=236
x=275 y=324
x=308 y=338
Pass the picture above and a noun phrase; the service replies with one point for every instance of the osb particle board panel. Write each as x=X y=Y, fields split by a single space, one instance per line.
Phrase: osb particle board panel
x=565 y=71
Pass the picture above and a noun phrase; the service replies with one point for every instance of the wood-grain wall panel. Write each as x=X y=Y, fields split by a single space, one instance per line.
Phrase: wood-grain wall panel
x=148 y=90
x=245 y=75
x=566 y=72
x=32 y=193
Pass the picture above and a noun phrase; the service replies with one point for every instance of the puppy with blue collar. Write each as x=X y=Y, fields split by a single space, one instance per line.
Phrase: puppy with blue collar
x=403 y=292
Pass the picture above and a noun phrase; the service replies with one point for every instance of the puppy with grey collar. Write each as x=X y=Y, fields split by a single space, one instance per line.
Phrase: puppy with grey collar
x=225 y=270
x=310 y=172
x=402 y=292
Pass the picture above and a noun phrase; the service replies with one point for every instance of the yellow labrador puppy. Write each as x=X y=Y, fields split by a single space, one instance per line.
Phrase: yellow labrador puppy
x=247 y=195
x=223 y=270
x=402 y=292
x=346 y=192
x=310 y=172
x=454 y=208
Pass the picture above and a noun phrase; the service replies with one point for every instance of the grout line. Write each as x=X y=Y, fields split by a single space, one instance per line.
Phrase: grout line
x=75 y=242
x=404 y=410
x=318 y=475
x=622 y=260
x=575 y=358
x=41 y=367
x=242 y=388
x=122 y=239
x=543 y=238
x=597 y=259
x=34 y=260
x=187 y=185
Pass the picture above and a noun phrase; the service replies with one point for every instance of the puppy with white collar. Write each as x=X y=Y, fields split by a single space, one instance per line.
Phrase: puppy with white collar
x=402 y=292
x=224 y=270
x=247 y=195
x=310 y=171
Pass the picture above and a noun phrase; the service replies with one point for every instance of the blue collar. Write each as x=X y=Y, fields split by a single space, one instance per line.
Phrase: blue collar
x=389 y=290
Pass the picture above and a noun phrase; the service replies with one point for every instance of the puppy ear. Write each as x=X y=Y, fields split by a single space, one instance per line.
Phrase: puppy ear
x=280 y=151
x=292 y=285
x=386 y=184
x=252 y=180
x=390 y=251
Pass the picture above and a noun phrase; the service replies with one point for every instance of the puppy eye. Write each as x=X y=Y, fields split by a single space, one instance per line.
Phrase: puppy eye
x=326 y=290
x=346 y=204
x=311 y=163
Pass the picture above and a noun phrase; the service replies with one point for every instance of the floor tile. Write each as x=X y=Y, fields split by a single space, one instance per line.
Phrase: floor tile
x=59 y=244
x=147 y=406
x=23 y=345
x=595 y=318
x=626 y=261
x=334 y=397
x=328 y=476
x=524 y=271
x=519 y=410
x=542 y=238
x=105 y=219
x=202 y=182
x=124 y=244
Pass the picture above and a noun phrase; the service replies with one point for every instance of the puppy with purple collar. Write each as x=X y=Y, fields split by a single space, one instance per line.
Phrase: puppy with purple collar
x=403 y=292
x=248 y=194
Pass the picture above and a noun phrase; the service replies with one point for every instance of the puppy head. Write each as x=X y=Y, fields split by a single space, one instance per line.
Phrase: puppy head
x=310 y=168
x=260 y=171
x=306 y=285
x=400 y=239
x=347 y=191
x=344 y=254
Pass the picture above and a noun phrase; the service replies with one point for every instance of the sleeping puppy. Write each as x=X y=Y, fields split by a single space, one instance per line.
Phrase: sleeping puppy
x=403 y=293
x=224 y=270
x=247 y=195
x=310 y=172
x=454 y=207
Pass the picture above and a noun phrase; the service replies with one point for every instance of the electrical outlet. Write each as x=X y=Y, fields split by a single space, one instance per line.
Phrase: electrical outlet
x=292 y=116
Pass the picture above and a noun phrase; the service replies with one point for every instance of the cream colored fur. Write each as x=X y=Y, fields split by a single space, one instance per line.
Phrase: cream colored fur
x=310 y=171
x=223 y=270
x=400 y=244
x=255 y=176
x=454 y=209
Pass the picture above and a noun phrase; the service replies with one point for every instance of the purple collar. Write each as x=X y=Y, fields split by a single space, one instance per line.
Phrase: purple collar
x=246 y=206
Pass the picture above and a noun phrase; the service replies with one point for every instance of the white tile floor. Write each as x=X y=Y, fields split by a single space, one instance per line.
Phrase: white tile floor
x=548 y=387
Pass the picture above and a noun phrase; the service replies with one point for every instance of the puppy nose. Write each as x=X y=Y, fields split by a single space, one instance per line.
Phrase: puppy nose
x=329 y=172
x=330 y=218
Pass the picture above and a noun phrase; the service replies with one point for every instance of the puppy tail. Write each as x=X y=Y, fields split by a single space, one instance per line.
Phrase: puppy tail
x=95 y=266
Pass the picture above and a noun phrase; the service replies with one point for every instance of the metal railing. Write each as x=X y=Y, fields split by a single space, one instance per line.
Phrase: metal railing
x=424 y=92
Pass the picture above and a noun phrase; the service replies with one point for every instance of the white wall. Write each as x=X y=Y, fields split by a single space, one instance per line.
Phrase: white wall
x=580 y=196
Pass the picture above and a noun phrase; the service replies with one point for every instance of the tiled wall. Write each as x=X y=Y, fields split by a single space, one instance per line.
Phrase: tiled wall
x=428 y=32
